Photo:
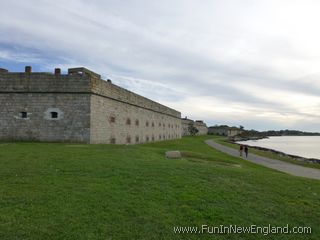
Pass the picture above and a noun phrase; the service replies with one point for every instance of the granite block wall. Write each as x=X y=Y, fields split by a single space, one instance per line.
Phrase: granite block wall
x=199 y=124
x=80 y=107
x=119 y=123
x=72 y=123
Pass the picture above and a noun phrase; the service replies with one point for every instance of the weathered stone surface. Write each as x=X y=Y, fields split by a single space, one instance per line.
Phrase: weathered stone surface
x=173 y=154
x=73 y=124
x=145 y=125
x=88 y=110
x=198 y=124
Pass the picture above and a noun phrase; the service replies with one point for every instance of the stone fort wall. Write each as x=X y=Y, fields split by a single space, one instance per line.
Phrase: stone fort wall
x=116 y=122
x=85 y=107
x=201 y=126
x=73 y=124
x=185 y=126
x=198 y=124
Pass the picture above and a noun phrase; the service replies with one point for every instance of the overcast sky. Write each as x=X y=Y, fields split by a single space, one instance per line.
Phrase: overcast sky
x=254 y=63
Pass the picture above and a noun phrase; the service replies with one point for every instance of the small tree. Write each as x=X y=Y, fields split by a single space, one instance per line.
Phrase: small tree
x=192 y=129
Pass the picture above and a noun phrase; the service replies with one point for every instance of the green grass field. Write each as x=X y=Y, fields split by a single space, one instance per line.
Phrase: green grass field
x=75 y=191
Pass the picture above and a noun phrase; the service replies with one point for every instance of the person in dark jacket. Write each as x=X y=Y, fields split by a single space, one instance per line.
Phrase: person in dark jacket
x=241 y=150
x=246 y=150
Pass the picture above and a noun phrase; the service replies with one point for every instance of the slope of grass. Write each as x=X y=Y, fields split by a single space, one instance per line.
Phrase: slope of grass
x=223 y=141
x=74 y=191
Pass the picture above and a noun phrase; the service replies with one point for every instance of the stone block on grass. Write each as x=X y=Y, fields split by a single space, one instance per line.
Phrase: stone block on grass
x=173 y=154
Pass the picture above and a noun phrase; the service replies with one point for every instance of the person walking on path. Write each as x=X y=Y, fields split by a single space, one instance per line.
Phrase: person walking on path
x=246 y=150
x=278 y=165
x=241 y=150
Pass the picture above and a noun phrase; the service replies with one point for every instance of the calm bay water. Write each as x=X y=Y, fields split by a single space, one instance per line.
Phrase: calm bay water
x=304 y=146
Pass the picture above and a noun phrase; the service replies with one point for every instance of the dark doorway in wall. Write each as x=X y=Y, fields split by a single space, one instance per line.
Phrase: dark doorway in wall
x=113 y=140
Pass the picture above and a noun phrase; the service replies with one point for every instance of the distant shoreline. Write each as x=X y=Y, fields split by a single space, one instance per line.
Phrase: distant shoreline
x=250 y=138
x=283 y=154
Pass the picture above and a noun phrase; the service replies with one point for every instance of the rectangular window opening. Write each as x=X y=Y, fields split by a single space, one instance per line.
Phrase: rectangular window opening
x=54 y=114
x=23 y=114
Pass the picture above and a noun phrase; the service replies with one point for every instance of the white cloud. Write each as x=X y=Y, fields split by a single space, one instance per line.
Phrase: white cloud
x=247 y=62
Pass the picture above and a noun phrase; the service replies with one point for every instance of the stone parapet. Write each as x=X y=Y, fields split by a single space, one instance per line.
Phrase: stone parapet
x=78 y=80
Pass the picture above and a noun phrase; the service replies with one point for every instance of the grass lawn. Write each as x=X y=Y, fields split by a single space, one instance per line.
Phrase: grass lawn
x=75 y=191
x=223 y=141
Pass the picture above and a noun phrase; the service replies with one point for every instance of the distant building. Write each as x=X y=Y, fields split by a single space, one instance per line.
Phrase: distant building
x=233 y=131
x=198 y=124
x=221 y=130
x=224 y=130
x=185 y=123
x=201 y=126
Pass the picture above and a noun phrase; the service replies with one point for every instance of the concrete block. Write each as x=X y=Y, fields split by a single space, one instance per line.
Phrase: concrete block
x=173 y=154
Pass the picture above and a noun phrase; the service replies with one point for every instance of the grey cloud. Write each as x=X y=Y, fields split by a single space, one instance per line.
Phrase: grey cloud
x=177 y=49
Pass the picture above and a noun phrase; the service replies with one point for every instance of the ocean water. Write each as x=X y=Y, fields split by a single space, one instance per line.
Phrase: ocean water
x=304 y=146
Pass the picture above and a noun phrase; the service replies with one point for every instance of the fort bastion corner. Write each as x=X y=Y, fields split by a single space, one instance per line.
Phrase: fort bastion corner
x=79 y=107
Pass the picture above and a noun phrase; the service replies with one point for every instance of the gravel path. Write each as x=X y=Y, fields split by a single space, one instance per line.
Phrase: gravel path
x=282 y=166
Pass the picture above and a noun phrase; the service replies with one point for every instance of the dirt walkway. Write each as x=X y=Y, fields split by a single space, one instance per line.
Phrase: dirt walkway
x=282 y=166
